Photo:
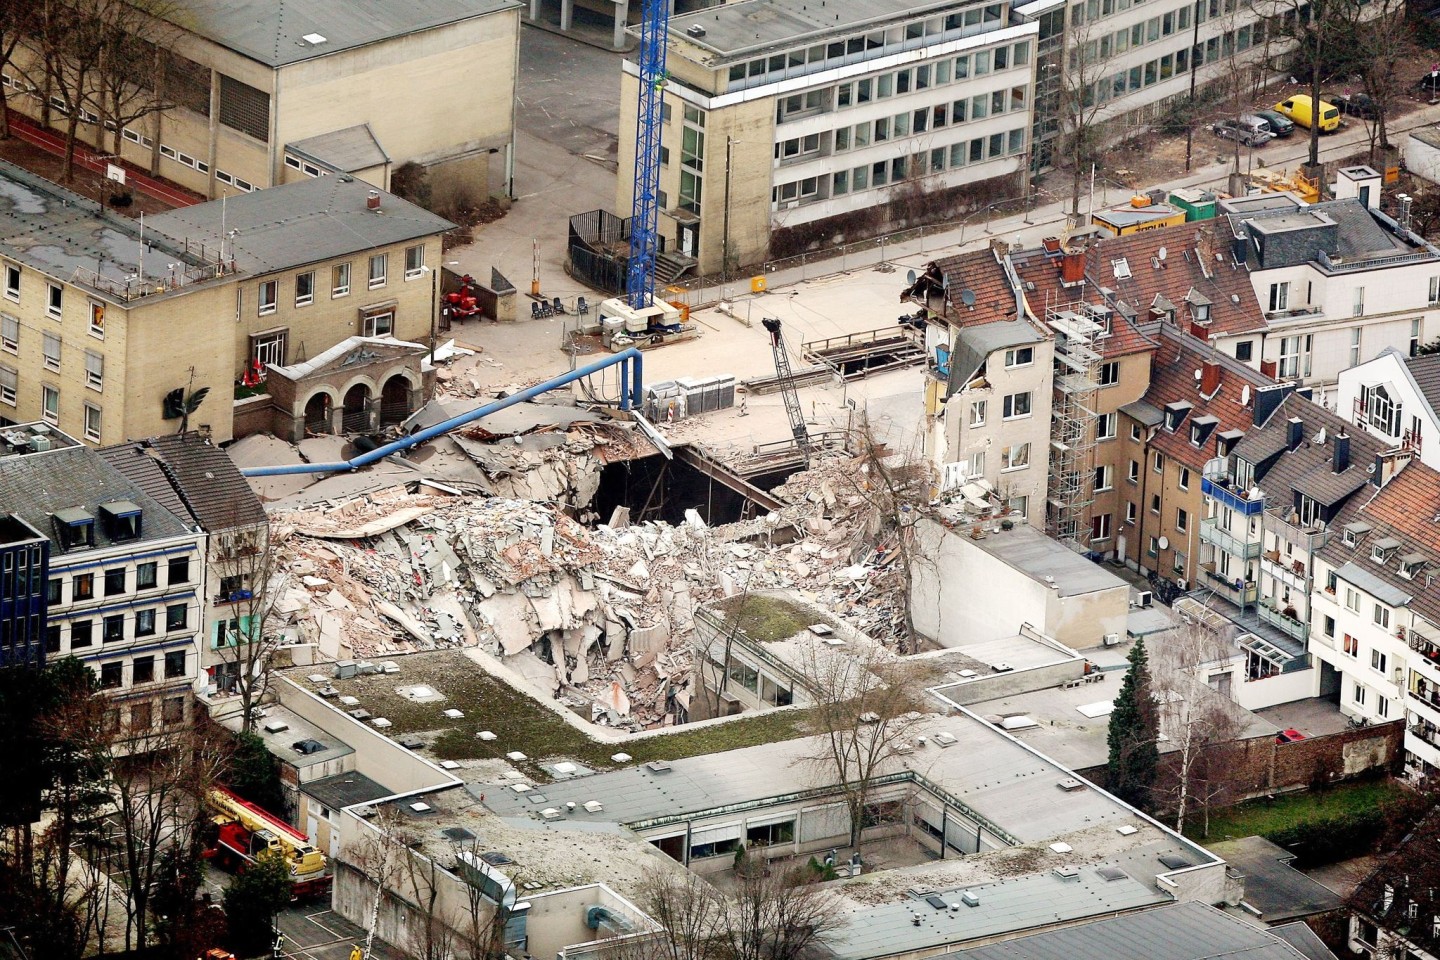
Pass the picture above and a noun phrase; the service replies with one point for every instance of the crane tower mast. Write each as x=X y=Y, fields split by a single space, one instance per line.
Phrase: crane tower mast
x=645 y=211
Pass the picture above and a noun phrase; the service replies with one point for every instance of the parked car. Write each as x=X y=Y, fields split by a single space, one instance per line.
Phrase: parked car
x=1302 y=111
x=1280 y=125
x=1428 y=86
x=1249 y=130
x=1355 y=105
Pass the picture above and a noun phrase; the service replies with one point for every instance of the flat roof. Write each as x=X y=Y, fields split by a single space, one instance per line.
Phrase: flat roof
x=1274 y=890
x=345 y=789
x=281 y=743
x=747 y=26
x=1037 y=556
x=277 y=34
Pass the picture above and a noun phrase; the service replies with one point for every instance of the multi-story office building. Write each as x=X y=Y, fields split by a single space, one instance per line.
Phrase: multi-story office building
x=89 y=318
x=256 y=95
x=125 y=580
x=1376 y=606
x=799 y=117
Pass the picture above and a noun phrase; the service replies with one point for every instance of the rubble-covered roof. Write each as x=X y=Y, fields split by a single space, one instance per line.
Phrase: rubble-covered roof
x=981 y=274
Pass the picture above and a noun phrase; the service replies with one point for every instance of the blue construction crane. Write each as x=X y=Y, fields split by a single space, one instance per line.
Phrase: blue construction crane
x=645 y=213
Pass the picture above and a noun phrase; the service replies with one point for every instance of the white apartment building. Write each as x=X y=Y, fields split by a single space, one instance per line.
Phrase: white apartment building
x=1394 y=397
x=1375 y=610
x=126 y=577
x=1339 y=281
x=785 y=113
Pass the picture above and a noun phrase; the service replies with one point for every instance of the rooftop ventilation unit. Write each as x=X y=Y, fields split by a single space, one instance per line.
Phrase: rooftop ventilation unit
x=1070 y=785
x=695 y=30
x=420 y=806
x=944 y=739
x=1068 y=872
x=276 y=726
x=970 y=898
x=658 y=766
x=550 y=813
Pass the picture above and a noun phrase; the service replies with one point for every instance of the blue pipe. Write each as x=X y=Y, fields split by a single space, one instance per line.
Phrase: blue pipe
x=629 y=399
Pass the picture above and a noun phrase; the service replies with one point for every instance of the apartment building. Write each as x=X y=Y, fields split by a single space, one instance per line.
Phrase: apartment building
x=126 y=577
x=196 y=480
x=1338 y=281
x=1394 y=397
x=789 y=115
x=1396 y=910
x=989 y=375
x=89 y=319
x=24 y=566
x=1377 y=606
x=262 y=94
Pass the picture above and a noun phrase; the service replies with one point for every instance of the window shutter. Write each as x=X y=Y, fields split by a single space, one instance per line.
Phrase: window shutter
x=94 y=364
x=51 y=347
x=9 y=327
x=9 y=378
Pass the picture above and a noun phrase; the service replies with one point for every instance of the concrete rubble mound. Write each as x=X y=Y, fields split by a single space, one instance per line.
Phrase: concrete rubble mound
x=599 y=615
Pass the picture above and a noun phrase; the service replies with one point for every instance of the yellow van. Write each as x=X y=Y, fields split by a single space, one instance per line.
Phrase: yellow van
x=1300 y=109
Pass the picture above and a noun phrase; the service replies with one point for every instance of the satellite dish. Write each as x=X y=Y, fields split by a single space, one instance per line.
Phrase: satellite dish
x=910 y=277
x=1163 y=543
x=967 y=297
x=1245 y=395
x=1199 y=374
x=1160 y=253
x=1320 y=437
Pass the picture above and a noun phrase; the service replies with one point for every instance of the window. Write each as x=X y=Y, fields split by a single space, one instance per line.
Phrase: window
x=114 y=581
x=1108 y=426
x=55 y=301
x=1352 y=600
x=1158 y=464
x=414 y=261
x=975 y=464
x=82 y=587
x=145 y=575
x=52 y=638
x=97 y=319
x=1109 y=373
x=112 y=629
x=268 y=349
x=94 y=370
x=1019 y=505
x=1132 y=472
x=977 y=413
x=1279 y=296
x=1020 y=357
x=178 y=571
x=110 y=675
x=1351 y=646
x=1329 y=626
x=1359 y=695
x=1017 y=405
x=172 y=710
x=377 y=270
x=9 y=384
x=1182 y=519
x=1135 y=432
x=1415 y=335
x=50 y=404
x=1357 y=303
x=1378 y=660
x=1155 y=504
x=177 y=616
x=1354 y=346
x=1100 y=527
x=141 y=714
x=144 y=623
x=1382 y=710
x=1153 y=548
x=1245 y=350
x=1381 y=616
x=1184 y=478
x=1015 y=457
x=379 y=323
x=50 y=350
x=304 y=289
x=53 y=587
x=12 y=282
x=269 y=296
x=9 y=333
x=1130 y=512
x=80 y=634
x=1104 y=478
x=93 y=417
x=339 y=280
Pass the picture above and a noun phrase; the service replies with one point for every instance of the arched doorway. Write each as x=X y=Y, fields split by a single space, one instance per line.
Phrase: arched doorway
x=317 y=413
x=356 y=417
x=394 y=400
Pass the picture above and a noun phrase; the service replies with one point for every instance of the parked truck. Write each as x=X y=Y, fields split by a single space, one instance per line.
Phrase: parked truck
x=244 y=831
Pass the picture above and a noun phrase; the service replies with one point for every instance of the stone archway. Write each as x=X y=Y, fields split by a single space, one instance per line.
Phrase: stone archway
x=395 y=400
x=317 y=413
x=356 y=415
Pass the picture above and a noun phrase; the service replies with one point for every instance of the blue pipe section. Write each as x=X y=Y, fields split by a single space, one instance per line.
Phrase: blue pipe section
x=630 y=390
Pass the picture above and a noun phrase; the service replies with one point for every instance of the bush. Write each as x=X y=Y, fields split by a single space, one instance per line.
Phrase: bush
x=410 y=181
x=1332 y=839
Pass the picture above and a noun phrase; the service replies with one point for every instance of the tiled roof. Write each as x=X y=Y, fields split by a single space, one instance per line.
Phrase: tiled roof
x=1405 y=886
x=1189 y=263
x=1172 y=380
x=39 y=484
x=1034 y=267
x=983 y=275
x=1310 y=467
x=193 y=473
x=1404 y=509
x=1426 y=371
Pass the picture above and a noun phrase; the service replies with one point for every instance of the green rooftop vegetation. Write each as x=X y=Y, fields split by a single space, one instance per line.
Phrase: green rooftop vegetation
x=768 y=619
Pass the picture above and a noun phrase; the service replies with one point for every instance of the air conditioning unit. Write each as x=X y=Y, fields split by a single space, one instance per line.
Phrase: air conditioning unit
x=789 y=204
x=1141 y=598
x=1111 y=640
x=1182 y=584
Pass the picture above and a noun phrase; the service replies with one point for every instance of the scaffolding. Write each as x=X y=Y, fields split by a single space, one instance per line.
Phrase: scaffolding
x=1079 y=328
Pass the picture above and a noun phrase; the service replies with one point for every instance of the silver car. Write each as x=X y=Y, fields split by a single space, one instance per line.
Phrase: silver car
x=1250 y=130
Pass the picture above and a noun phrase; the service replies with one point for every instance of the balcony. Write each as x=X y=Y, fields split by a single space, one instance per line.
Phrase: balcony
x=1212 y=533
x=1221 y=490
x=1289 y=625
x=1293 y=572
x=1429 y=655
x=1426 y=731
x=1306 y=539
x=1242 y=596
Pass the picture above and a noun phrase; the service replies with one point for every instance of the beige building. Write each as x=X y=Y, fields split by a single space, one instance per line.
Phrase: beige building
x=99 y=325
x=264 y=94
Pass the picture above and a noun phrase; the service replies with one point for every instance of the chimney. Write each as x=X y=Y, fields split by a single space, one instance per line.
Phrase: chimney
x=1072 y=267
x=372 y=202
x=1209 y=378
x=1294 y=433
x=1342 y=452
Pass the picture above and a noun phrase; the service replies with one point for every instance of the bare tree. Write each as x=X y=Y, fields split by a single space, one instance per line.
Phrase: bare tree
x=689 y=910
x=1081 y=132
x=775 y=915
x=18 y=20
x=130 y=77
x=866 y=703
x=250 y=581
x=1382 y=39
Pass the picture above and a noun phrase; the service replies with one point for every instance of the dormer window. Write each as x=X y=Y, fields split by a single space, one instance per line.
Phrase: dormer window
x=1175 y=414
x=74 y=528
x=1354 y=533
x=1384 y=549
x=1411 y=564
x=122 y=520
x=1201 y=312
x=1200 y=429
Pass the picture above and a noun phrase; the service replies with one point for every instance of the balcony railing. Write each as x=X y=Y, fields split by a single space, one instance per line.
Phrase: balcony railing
x=1211 y=532
x=1306 y=539
x=1284 y=571
x=1221 y=490
x=1298 y=629
x=1427 y=732
x=1241 y=597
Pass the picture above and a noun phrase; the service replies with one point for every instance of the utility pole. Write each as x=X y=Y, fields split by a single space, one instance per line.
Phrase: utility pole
x=725 y=225
x=1194 y=69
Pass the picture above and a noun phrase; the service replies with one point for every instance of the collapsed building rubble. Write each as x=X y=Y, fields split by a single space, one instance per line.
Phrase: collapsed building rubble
x=602 y=615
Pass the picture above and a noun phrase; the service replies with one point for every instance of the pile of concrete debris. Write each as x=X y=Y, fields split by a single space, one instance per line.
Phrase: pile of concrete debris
x=600 y=615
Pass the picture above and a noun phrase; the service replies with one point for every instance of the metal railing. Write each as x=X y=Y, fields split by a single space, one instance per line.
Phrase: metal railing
x=1220 y=490
x=1296 y=628
x=1306 y=539
x=1212 y=533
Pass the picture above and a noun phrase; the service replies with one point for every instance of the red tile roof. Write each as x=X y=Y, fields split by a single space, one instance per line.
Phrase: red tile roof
x=1172 y=379
x=1034 y=267
x=982 y=273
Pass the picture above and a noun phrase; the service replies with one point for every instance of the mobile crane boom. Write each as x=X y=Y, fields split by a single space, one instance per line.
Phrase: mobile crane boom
x=787 y=387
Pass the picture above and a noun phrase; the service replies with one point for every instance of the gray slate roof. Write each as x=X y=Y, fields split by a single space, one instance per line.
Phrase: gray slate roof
x=974 y=344
x=1308 y=469
x=1183 y=931
x=38 y=484
x=348 y=150
x=1426 y=371
x=344 y=789
x=316 y=219
x=194 y=474
x=272 y=31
